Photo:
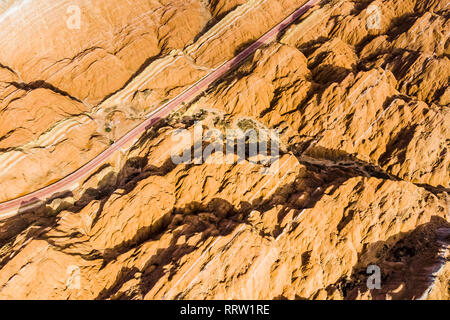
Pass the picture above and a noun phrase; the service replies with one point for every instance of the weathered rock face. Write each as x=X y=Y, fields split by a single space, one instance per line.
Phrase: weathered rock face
x=358 y=92
x=104 y=67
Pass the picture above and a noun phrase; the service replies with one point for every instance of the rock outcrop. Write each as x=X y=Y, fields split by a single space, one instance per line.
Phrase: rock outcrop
x=357 y=92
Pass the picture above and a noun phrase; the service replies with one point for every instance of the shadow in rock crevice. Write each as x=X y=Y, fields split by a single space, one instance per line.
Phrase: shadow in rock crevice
x=209 y=220
x=316 y=156
x=190 y=221
x=408 y=261
x=44 y=215
x=41 y=84
x=167 y=259
x=204 y=219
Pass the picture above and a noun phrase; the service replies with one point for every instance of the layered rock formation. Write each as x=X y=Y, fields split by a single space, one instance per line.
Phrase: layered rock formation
x=358 y=91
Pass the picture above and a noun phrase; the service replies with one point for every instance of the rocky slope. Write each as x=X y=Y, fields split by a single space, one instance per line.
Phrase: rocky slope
x=358 y=91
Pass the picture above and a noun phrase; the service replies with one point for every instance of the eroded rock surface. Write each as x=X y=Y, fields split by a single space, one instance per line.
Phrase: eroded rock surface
x=360 y=103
